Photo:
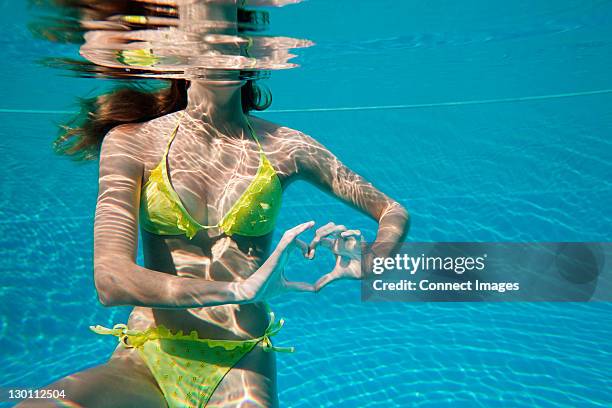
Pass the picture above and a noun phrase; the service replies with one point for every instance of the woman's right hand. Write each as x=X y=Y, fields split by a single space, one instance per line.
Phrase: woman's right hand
x=269 y=280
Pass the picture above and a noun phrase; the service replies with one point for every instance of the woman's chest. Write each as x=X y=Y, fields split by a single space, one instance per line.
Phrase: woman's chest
x=231 y=185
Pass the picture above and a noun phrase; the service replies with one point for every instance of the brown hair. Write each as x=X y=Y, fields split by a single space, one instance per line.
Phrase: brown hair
x=82 y=137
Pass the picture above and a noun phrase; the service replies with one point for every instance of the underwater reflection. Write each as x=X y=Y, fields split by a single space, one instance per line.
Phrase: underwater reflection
x=157 y=39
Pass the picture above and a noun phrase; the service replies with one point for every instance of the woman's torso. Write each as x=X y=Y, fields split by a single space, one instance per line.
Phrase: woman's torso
x=209 y=171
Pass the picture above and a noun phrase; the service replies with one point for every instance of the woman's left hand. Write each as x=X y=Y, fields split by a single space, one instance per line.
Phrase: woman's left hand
x=346 y=245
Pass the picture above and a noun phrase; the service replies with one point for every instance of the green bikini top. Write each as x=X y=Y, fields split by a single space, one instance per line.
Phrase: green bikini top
x=254 y=214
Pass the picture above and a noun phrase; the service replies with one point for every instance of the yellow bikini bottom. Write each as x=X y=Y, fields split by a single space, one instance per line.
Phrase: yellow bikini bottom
x=189 y=369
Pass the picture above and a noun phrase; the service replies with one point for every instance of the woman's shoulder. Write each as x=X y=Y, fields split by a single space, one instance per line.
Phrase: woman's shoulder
x=139 y=139
x=294 y=149
x=281 y=133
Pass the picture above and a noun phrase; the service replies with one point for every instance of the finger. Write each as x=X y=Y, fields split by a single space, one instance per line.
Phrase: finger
x=350 y=233
x=324 y=232
x=325 y=280
x=350 y=243
x=329 y=229
x=335 y=246
x=303 y=247
x=299 y=286
x=319 y=233
x=327 y=243
x=298 y=229
x=350 y=238
x=290 y=235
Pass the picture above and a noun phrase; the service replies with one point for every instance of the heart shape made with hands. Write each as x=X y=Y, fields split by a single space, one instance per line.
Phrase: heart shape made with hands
x=270 y=280
x=345 y=245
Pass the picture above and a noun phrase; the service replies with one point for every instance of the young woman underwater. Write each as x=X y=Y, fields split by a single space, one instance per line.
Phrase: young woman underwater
x=202 y=180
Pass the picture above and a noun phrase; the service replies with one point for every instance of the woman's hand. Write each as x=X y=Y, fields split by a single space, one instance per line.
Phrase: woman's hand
x=269 y=280
x=346 y=246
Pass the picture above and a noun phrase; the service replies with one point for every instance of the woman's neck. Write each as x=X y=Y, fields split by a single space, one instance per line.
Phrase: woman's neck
x=218 y=104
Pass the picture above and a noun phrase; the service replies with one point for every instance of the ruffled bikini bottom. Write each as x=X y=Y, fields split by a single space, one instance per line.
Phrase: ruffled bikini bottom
x=189 y=369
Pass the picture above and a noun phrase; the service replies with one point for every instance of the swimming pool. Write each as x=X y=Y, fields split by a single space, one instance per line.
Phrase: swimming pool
x=488 y=121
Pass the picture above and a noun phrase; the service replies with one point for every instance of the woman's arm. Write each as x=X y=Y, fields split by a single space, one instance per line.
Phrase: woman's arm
x=320 y=167
x=118 y=279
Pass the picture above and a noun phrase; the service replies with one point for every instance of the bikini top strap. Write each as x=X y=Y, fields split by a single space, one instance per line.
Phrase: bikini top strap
x=248 y=47
x=254 y=135
x=174 y=132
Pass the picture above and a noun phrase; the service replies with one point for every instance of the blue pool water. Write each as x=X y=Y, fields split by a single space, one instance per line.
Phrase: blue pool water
x=535 y=166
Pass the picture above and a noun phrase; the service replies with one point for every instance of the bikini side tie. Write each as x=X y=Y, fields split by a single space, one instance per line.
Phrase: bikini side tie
x=273 y=328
